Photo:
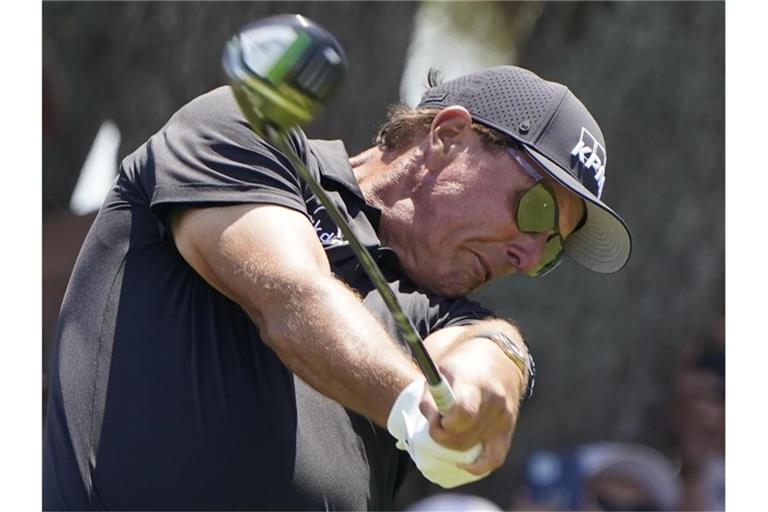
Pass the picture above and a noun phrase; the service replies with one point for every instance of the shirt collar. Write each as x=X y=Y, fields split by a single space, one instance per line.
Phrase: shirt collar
x=333 y=164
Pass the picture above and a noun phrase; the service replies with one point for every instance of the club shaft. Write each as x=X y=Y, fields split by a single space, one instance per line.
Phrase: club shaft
x=438 y=386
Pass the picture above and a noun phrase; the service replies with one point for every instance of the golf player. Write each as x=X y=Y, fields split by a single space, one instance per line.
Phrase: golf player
x=219 y=346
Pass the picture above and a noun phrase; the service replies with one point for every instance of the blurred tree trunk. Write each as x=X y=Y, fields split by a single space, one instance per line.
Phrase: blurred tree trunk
x=653 y=75
x=138 y=62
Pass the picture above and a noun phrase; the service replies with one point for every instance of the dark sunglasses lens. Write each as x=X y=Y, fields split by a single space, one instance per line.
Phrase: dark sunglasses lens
x=536 y=211
x=550 y=258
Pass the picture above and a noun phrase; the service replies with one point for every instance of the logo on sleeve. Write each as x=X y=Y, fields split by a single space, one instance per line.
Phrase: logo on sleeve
x=327 y=232
x=588 y=155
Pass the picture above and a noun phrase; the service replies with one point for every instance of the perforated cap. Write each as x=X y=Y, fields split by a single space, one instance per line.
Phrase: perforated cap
x=557 y=130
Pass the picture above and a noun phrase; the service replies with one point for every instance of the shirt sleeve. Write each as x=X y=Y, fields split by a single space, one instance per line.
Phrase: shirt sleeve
x=451 y=312
x=207 y=155
x=431 y=313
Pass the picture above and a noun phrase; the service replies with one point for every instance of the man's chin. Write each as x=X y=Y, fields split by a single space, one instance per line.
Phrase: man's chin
x=449 y=287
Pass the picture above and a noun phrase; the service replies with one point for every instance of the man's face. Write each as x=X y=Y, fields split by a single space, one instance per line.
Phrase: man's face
x=464 y=230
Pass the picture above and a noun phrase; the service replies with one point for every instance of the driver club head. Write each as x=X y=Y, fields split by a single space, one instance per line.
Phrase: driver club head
x=283 y=69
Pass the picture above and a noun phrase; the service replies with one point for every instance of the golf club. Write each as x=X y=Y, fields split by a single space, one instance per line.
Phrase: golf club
x=282 y=70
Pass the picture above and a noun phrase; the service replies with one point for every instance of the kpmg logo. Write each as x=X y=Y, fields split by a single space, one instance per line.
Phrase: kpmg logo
x=590 y=158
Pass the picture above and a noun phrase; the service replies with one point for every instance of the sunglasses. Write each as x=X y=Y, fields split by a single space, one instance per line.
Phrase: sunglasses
x=537 y=213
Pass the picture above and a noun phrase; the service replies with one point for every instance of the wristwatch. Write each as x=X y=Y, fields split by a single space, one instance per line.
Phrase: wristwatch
x=524 y=362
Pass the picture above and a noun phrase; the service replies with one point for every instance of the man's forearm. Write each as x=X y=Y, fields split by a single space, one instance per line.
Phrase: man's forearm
x=324 y=334
x=268 y=259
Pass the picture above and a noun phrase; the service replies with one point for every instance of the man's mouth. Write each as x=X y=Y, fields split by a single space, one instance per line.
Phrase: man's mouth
x=485 y=271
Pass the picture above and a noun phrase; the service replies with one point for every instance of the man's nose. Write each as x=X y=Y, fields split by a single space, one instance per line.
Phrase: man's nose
x=527 y=250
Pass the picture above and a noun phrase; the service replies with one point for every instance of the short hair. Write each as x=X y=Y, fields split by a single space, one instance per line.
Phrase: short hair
x=404 y=124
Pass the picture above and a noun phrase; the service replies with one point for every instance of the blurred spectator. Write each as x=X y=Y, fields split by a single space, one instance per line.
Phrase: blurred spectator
x=453 y=502
x=600 y=476
x=621 y=476
x=698 y=422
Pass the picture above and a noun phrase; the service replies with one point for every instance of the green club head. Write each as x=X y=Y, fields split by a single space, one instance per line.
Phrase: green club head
x=282 y=70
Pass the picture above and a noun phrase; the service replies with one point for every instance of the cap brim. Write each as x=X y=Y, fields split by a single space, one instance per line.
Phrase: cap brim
x=603 y=243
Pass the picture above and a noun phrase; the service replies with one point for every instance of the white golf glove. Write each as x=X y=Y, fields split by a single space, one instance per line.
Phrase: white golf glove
x=411 y=429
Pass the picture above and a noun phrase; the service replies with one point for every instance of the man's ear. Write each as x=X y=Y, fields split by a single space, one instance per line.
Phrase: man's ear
x=448 y=136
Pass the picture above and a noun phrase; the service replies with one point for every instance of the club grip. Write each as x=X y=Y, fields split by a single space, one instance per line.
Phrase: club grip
x=442 y=395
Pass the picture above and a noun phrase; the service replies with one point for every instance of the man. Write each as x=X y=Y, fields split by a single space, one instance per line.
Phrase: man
x=220 y=347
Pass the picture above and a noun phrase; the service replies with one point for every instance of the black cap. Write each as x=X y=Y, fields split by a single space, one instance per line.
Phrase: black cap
x=558 y=131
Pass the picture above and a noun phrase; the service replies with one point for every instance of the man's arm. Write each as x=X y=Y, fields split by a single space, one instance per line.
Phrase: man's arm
x=488 y=386
x=268 y=259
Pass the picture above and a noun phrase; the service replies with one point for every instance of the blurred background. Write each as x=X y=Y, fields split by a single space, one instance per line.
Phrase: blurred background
x=629 y=410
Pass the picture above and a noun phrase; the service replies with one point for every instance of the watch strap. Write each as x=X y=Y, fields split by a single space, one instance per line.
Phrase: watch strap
x=519 y=357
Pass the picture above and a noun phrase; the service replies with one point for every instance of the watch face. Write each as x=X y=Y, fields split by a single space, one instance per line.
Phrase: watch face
x=513 y=351
x=524 y=362
x=509 y=345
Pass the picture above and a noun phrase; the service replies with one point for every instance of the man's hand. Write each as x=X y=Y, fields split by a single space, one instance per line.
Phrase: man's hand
x=487 y=386
x=437 y=463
